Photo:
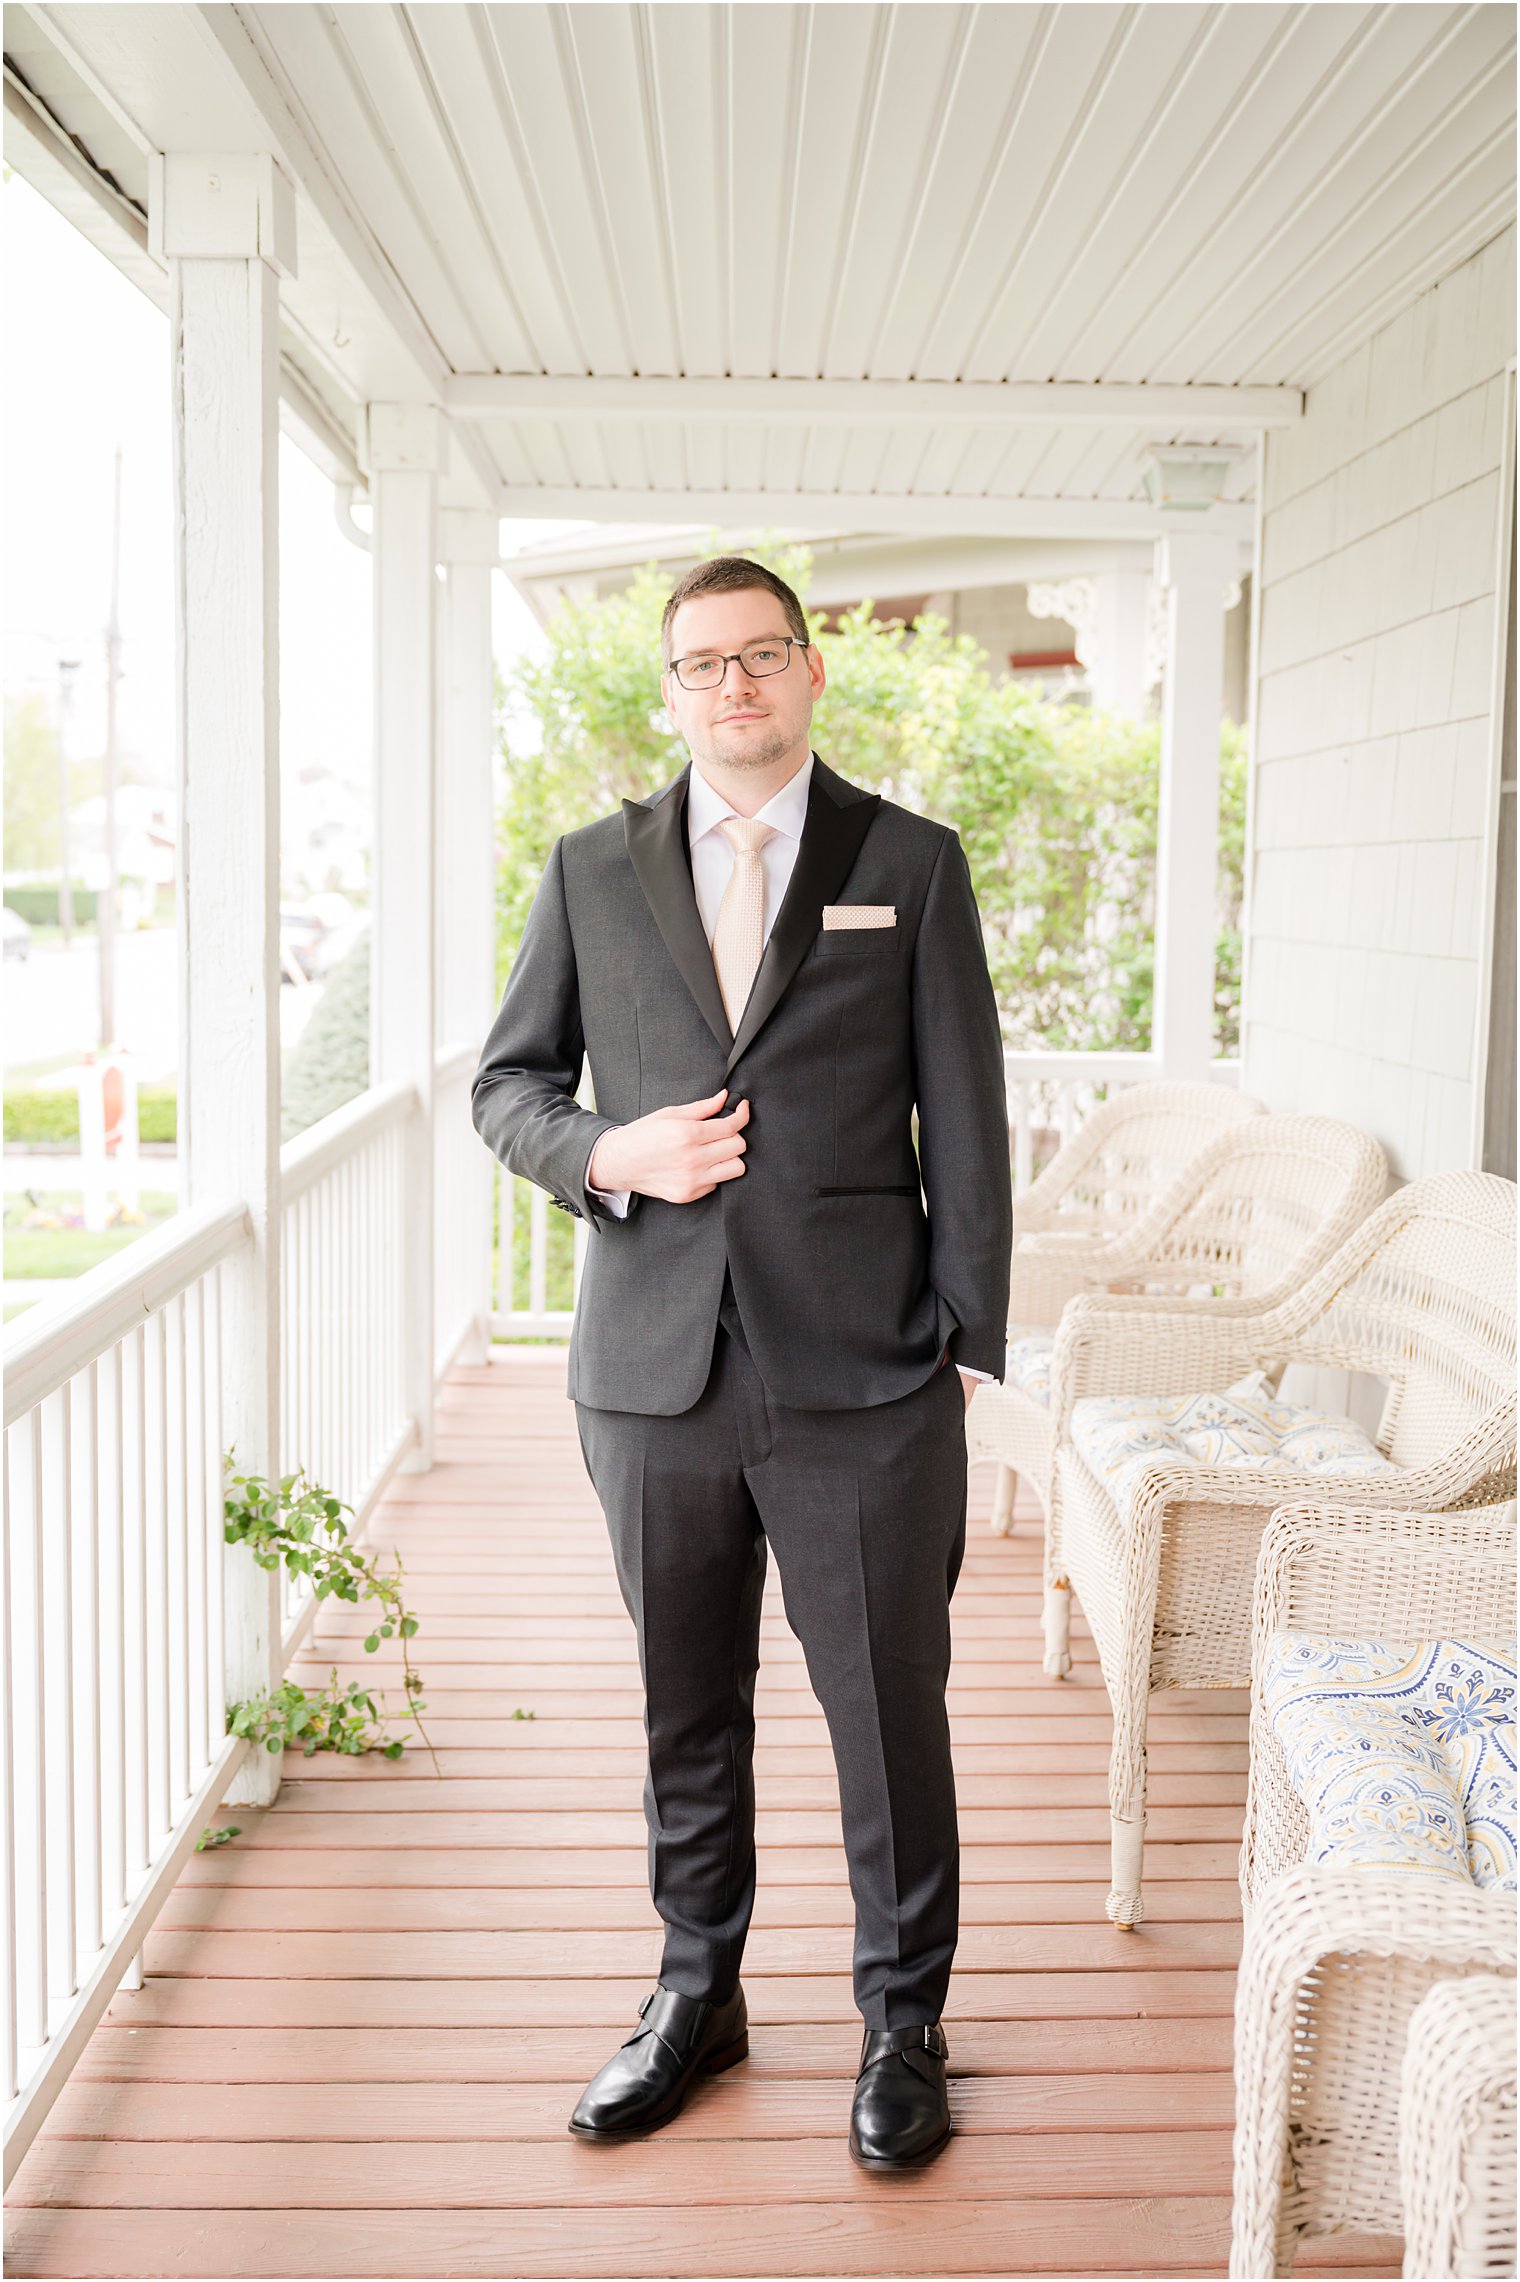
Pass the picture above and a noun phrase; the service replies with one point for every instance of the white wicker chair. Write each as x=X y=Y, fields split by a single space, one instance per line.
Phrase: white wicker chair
x=1102 y=1181
x=1252 y=1215
x=1457 y=2130
x=1422 y=1296
x=1338 y=1957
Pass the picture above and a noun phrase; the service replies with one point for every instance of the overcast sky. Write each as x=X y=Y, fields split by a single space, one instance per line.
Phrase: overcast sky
x=85 y=366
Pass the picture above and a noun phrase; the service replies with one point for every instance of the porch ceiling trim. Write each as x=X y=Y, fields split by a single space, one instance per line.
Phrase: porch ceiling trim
x=952 y=514
x=1139 y=404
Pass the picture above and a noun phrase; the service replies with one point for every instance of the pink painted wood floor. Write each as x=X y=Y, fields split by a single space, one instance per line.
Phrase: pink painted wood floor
x=365 y=2020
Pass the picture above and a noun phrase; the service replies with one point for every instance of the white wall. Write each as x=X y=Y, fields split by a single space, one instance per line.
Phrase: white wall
x=1373 y=784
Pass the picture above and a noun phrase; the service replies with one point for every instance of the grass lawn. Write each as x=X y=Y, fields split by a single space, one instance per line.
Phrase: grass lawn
x=43 y=1236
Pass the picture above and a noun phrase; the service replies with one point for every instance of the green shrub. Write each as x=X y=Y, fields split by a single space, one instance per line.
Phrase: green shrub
x=51 y=1113
x=329 y=1063
x=38 y=906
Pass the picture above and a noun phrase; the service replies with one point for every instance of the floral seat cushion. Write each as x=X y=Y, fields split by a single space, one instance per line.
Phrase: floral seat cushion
x=1403 y=1753
x=1030 y=1352
x=1119 y=1436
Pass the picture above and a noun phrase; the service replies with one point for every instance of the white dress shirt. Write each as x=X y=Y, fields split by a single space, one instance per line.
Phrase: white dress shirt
x=712 y=863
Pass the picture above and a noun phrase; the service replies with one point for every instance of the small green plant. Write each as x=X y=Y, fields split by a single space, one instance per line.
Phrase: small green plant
x=210 y=1838
x=335 y=1719
x=296 y=1522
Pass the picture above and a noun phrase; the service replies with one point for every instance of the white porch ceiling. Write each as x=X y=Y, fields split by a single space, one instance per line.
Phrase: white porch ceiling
x=932 y=267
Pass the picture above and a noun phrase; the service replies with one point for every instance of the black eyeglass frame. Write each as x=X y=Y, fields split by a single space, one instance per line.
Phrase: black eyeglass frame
x=736 y=658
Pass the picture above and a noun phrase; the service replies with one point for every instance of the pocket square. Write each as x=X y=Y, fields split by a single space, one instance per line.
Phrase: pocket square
x=860 y=915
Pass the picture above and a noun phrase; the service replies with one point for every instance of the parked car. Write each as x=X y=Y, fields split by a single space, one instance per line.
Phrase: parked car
x=314 y=935
x=18 y=935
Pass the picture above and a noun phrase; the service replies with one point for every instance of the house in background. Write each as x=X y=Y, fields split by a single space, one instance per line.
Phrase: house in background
x=1076 y=621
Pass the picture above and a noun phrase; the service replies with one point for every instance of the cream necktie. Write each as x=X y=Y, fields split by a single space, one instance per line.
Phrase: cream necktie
x=737 y=931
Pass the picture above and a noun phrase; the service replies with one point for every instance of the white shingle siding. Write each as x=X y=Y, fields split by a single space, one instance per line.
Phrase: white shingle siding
x=1380 y=540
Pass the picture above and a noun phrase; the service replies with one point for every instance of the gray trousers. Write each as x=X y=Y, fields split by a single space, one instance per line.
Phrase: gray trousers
x=865 y=1511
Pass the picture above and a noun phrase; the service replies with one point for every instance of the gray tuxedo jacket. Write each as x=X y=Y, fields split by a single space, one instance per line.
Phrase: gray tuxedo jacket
x=853 y=1261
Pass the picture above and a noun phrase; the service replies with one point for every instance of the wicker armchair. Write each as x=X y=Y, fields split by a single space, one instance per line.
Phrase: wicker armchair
x=1338 y=1958
x=1457 y=2130
x=1422 y=1296
x=1248 y=1219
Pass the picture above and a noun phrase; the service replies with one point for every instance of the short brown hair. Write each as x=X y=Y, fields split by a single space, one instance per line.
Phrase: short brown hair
x=730 y=574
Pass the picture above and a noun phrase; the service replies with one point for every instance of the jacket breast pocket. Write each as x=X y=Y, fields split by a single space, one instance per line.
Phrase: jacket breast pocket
x=856 y=942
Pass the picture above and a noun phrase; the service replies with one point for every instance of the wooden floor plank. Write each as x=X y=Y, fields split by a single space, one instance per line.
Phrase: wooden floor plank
x=1144 y=2235
x=235 y=2003
x=514 y=2055
x=537 y=1955
x=466 y=2174
x=743 y=2105
x=340 y=1866
x=241 y=1907
x=303 y=1824
x=364 y=2020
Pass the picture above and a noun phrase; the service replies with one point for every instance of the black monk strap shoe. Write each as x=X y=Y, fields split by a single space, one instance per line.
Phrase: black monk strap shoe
x=645 y=2084
x=901 y=2114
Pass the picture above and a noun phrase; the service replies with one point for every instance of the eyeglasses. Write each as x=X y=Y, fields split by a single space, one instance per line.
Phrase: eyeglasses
x=704 y=669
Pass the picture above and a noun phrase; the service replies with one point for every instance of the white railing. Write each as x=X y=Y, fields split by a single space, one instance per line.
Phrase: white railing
x=115 y=1711
x=462 y=1189
x=1050 y=1096
x=521 y=1304
x=342 y=1415
x=116 y=1752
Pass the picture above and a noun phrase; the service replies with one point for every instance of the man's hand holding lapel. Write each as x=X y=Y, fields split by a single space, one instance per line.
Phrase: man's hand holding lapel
x=679 y=1153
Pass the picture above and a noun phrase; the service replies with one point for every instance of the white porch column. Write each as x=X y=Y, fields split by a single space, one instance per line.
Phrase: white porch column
x=466 y=876
x=1120 y=602
x=226 y=226
x=1195 y=570
x=406 y=448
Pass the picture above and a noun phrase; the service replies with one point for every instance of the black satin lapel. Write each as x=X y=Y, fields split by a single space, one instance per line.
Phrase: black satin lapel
x=831 y=838
x=656 y=838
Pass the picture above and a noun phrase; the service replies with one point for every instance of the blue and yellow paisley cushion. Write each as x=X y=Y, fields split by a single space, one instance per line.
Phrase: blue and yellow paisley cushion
x=1119 y=1436
x=1404 y=1754
x=1029 y=1359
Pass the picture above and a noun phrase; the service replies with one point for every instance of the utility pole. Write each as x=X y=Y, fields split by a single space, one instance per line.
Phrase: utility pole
x=67 y=668
x=105 y=909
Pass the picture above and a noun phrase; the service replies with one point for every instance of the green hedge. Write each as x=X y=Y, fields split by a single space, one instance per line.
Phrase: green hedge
x=51 y=1113
x=38 y=906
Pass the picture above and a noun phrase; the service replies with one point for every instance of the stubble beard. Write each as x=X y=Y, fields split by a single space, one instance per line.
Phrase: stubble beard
x=740 y=756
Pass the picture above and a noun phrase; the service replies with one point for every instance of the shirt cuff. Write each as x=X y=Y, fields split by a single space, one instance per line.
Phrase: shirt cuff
x=616 y=1200
x=966 y=1372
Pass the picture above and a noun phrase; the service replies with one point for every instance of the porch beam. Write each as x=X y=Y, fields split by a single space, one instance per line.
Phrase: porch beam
x=1195 y=572
x=225 y=225
x=950 y=514
x=1060 y=403
x=465 y=888
x=405 y=451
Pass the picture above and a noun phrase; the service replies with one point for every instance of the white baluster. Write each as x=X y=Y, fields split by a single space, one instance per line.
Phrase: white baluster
x=57 y=1600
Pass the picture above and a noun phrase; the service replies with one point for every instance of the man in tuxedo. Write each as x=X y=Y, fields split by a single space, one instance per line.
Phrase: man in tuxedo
x=783 y=1312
